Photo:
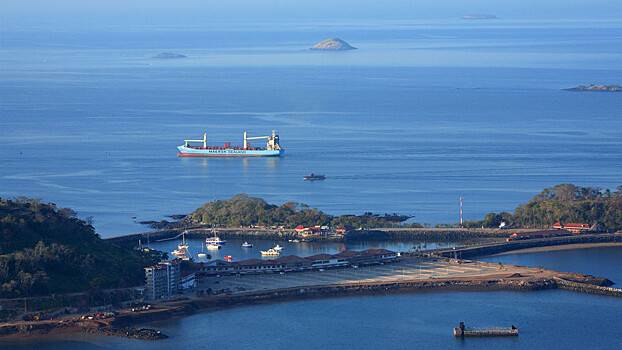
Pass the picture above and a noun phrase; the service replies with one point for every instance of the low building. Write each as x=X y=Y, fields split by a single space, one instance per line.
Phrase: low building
x=162 y=280
x=519 y=236
x=295 y=263
x=573 y=227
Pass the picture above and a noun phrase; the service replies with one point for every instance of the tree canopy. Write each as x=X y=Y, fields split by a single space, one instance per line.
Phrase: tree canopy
x=243 y=210
x=45 y=249
x=564 y=203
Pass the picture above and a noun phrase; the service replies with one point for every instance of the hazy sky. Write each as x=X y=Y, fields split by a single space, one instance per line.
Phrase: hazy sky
x=84 y=12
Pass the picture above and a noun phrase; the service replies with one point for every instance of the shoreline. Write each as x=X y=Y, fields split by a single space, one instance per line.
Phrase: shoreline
x=576 y=246
x=513 y=278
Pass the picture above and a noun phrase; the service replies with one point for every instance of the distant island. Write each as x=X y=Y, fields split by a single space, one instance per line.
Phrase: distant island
x=479 y=16
x=597 y=88
x=333 y=44
x=169 y=55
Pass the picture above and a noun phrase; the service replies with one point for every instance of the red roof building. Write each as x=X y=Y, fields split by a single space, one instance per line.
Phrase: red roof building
x=572 y=227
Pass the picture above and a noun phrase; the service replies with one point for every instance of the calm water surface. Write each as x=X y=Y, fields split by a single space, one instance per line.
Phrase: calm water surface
x=419 y=115
x=234 y=248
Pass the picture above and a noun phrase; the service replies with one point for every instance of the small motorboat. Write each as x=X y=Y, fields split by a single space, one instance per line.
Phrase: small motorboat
x=228 y=258
x=278 y=248
x=212 y=246
x=314 y=177
x=247 y=245
x=215 y=240
x=294 y=240
x=202 y=254
x=270 y=252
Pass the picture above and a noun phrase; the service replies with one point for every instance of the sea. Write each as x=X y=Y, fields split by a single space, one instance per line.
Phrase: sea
x=422 y=113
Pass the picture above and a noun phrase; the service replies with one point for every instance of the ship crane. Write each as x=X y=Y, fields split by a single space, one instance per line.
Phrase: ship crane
x=272 y=144
x=204 y=141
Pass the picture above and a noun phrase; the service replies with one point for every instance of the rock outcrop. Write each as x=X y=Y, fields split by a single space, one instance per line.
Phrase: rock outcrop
x=333 y=44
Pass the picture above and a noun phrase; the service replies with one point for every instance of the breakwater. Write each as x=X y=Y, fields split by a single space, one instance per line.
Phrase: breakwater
x=497 y=248
x=380 y=234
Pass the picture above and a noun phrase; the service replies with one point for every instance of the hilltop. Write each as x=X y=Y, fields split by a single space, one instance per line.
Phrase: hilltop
x=333 y=44
x=45 y=249
x=563 y=203
x=243 y=210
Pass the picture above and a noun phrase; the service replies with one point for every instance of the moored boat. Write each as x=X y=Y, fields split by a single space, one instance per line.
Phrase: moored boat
x=215 y=240
x=247 y=245
x=212 y=246
x=270 y=252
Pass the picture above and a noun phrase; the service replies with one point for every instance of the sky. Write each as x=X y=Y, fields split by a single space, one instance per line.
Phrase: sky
x=14 y=13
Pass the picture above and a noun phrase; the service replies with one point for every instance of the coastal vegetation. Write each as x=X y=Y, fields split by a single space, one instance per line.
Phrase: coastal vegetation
x=563 y=203
x=45 y=249
x=243 y=210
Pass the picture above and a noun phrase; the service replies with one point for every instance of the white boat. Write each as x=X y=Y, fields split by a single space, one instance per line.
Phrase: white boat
x=214 y=240
x=278 y=248
x=202 y=254
x=182 y=249
x=270 y=252
x=247 y=245
x=212 y=246
x=294 y=240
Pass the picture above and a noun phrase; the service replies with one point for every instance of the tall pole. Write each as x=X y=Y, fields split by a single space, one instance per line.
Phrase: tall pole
x=244 y=139
x=461 y=211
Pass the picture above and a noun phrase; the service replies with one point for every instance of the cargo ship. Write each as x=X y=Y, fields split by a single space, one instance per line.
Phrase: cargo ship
x=200 y=148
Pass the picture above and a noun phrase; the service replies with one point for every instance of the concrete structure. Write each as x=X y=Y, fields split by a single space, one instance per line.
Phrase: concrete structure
x=295 y=263
x=162 y=280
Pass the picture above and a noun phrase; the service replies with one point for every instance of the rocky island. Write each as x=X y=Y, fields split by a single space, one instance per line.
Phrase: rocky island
x=333 y=44
x=597 y=88
x=169 y=55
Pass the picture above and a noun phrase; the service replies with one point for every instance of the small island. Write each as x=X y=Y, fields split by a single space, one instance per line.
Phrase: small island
x=169 y=55
x=333 y=44
x=596 y=88
x=479 y=16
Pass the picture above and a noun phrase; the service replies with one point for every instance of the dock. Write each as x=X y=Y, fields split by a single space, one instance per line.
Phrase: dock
x=462 y=331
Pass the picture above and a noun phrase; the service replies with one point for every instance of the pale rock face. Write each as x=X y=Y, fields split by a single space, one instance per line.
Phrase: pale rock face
x=333 y=44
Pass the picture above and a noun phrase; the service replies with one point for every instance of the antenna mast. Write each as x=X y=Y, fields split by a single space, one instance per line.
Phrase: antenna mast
x=461 y=200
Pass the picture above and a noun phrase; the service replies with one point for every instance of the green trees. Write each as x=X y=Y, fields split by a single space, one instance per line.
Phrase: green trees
x=565 y=203
x=44 y=249
x=243 y=210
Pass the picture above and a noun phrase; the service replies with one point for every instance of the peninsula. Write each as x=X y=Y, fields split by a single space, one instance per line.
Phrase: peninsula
x=333 y=44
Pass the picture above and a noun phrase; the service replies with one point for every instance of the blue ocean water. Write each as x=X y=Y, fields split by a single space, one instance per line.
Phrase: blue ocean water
x=420 y=114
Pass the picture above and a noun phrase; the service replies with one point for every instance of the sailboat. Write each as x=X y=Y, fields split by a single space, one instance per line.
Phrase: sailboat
x=202 y=254
x=182 y=249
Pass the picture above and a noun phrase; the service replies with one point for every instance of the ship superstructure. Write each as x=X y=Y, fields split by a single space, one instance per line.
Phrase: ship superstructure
x=200 y=148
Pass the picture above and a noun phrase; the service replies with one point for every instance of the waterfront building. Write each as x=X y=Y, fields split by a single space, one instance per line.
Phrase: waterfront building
x=295 y=263
x=163 y=280
x=573 y=227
